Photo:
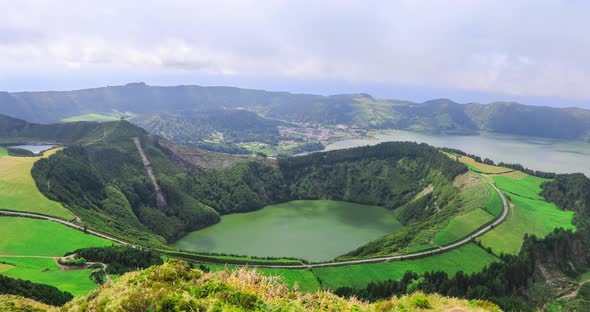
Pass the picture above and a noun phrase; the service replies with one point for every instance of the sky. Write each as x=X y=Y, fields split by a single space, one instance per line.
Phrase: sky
x=532 y=51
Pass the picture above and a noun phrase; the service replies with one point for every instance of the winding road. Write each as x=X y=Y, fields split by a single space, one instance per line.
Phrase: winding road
x=441 y=249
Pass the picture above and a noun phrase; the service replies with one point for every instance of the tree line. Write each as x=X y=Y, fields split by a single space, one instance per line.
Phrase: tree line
x=40 y=292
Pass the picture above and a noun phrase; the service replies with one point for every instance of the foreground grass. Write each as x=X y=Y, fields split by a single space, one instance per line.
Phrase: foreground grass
x=302 y=279
x=45 y=271
x=34 y=237
x=469 y=258
x=174 y=286
x=19 y=192
x=92 y=117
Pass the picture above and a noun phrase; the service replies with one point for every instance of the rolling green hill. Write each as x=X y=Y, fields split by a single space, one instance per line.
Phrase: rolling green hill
x=174 y=111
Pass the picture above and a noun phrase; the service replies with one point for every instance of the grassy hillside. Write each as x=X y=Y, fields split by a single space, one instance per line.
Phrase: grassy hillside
x=91 y=117
x=34 y=237
x=529 y=213
x=358 y=110
x=469 y=258
x=18 y=190
x=176 y=285
x=46 y=271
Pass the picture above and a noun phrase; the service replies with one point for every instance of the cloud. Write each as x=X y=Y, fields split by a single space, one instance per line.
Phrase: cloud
x=527 y=47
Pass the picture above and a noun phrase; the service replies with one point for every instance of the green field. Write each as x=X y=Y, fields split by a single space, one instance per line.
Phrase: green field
x=19 y=192
x=92 y=117
x=494 y=203
x=315 y=230
x=527 y=216
x=529 y=186
x=3 y=151
x=477 y=199
x=469 y=258
x=33 y=237
x=45 y=271
x=463 y=225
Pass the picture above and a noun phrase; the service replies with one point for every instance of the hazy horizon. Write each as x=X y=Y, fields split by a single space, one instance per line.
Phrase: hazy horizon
x=532 y=52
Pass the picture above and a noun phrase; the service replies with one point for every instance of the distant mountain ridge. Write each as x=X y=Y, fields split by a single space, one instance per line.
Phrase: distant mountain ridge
x=200 y=104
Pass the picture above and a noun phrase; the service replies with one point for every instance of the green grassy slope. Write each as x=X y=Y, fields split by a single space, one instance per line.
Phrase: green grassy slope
x=45 y=271
x=91 y=117
x=19 y=192
x=529 y=186
x=469 y=258
x=476 y=202
x=462 y=225
x=3 y=151
x=494 y=203
x=526 y=217
x=33 y=237
x=529 y=214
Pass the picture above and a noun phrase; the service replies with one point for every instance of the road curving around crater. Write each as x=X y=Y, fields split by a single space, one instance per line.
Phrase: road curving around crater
x=420 y=254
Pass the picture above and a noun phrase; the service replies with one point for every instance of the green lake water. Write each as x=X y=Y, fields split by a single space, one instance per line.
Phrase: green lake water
x=314 y=230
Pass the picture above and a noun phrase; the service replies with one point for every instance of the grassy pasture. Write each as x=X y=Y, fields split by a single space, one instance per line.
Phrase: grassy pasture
x=477 y=199
x=469 y=258
x=529 y=186
x=92 y=117
x=480 y=167
x=494 y=203
x=19 y=192
x=527 y=216
x=3 y=151
x=45 y=271
x=463 y=225
x=33 y=237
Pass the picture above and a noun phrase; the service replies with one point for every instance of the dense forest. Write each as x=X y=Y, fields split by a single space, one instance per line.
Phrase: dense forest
x=40 y=292
x=121 y=259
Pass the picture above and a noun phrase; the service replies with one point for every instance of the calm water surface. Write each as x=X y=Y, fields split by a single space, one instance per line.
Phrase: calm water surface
x=535 y=153
x=315 y=230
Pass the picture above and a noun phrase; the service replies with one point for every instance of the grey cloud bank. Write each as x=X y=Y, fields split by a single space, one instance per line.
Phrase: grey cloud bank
x=520 y=48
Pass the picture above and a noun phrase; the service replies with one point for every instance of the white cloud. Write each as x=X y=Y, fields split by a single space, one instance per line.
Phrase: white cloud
x=528 y=47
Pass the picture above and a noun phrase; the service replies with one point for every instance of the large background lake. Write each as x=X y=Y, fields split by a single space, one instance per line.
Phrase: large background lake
x=535 y=153
x=315 y=230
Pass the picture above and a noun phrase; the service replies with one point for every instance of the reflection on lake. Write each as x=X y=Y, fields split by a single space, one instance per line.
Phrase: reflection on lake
x=536 y=153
